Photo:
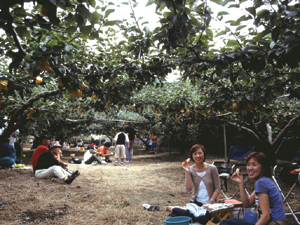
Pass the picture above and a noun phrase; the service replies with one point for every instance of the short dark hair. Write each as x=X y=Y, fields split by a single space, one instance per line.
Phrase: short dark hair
x=121 y=129
x=194 y=148
x=107 y=144
x=44 y=136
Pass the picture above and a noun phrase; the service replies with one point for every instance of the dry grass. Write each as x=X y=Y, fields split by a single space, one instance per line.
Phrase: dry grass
x=100 y=195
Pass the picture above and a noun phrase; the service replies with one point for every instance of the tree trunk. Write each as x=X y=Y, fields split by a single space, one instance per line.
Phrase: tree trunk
x=145 y=143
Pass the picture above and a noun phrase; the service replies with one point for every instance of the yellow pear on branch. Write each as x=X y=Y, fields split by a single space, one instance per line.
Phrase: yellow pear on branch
x=38 y=80
x=3 y=84
x=44 y=65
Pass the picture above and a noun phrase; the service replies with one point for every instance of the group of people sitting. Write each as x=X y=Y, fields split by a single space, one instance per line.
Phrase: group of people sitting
x=94 y=154
x=74 y=143
x=203 y=179
x=47 y=162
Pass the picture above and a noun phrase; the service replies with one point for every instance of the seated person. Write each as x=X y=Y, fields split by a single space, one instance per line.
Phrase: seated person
x=48 y=164
x=102 y=151
x=66 y=144
x=41 y=148
x=265 y=195
x=91 y=156
x=91 y=146
x=80 y=143
x=201 y=178
x=73 y=144
x=7 y=155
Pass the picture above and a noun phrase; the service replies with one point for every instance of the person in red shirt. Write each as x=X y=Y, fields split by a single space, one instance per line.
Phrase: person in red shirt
x=102 y=151
x=43 y=147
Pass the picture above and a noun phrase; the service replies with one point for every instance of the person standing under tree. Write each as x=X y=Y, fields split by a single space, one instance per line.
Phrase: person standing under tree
x=120 y=140
x=154 y=140
x=132 y=140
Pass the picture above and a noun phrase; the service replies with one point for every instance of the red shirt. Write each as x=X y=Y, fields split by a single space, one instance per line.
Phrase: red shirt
x=36 y=154
x=102 y=150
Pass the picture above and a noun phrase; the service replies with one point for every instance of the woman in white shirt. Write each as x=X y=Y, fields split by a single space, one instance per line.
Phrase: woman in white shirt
x=201 y=178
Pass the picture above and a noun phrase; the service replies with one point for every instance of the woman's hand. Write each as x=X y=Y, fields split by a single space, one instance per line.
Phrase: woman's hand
x=186 y=166
x=238 y=177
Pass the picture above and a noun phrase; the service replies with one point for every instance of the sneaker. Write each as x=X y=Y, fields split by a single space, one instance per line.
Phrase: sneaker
x=126 y=161
x=116 y=163
x=103 y=163
x=75 y=174
x=122 y=164
x=70 y=179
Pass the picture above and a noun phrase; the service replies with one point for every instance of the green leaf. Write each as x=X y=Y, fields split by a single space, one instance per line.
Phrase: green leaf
x=243 y=18
x=80 y=20
x=71 y=29
x=195 y=21
x=83 y=11
x=227 y=1
x=61 y=37
x=209 y=33
x=221 y=13
x=234 y=6
x=261 y=35
x=145 y=22
x=94 y=18
x=95 y=35
x=232 y=42
x=275 y=34
x=19 y=12
x=252 y=10
x=219 y=2
x=86 y=30
x=125 y=3
x=150 y=2
x=92 y=3
x=23 y=32
x=147 y=30
x=52 y=43
x=70 y=19
x=28 y=57
x=240 y=27
x=107 y=12
x=260 y=15
x=111 y=22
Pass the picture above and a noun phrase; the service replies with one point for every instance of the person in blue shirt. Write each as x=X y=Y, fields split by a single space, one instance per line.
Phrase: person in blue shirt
x=7 y=155
x=266 y=195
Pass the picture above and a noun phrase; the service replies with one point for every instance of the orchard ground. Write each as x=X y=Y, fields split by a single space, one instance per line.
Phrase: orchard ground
x=102 y=194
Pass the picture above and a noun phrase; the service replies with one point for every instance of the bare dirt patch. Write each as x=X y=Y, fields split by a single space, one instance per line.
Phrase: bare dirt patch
x=101 y=194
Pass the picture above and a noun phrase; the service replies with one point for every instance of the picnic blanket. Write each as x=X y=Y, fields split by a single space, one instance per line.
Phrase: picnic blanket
x=23 y=167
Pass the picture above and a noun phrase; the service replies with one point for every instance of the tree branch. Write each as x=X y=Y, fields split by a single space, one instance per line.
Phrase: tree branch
x=285 y=129
x=130 y=3
x=245 y=128
x=14 y=124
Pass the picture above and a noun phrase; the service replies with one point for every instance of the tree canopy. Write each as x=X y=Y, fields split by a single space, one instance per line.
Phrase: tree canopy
x=55 y=78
